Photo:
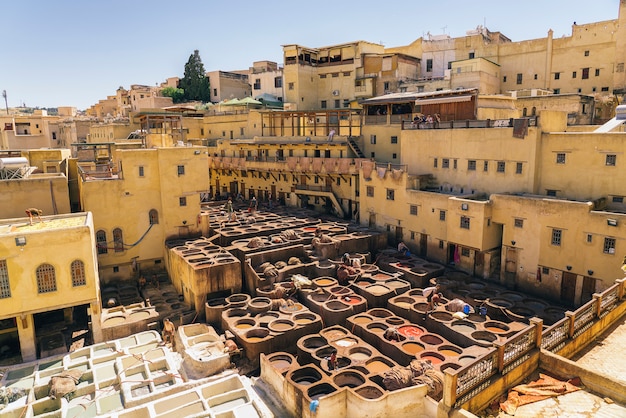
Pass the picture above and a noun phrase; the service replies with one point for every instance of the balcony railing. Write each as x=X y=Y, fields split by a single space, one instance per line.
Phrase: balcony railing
x=461 y=385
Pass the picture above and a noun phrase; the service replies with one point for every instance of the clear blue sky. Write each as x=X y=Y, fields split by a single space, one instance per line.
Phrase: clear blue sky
x=74 y=53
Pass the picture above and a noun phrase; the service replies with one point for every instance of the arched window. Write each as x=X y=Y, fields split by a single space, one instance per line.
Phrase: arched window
x=46 y=279
x=154 y=217
x=534 y=111
x=78 y=273
x=118 y=241
x=524 y=112
x=101 y=242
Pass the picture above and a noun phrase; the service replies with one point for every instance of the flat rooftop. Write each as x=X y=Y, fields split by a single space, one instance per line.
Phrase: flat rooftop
x=47 y=223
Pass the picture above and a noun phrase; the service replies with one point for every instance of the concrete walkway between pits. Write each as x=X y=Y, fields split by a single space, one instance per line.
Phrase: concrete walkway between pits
x=601 y=367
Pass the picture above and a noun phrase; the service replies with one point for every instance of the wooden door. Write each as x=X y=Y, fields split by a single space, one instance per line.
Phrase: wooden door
x=568 y=288
x=589 y=288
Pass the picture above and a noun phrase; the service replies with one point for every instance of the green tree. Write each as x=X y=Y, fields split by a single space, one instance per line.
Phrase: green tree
x=177 y=95
x=195 y=83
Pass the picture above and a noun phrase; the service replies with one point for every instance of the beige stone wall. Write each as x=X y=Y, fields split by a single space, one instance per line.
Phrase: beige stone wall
x=46 y=192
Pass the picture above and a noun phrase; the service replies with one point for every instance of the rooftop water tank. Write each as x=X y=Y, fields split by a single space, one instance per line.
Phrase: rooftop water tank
x=13 y=163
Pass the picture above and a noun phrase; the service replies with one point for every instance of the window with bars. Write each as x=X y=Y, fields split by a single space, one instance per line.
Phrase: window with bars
x=465 y=252
x=118 y=240
x=465 y=222
x=560 y=158
x=413 y=210
x=556 y=237
x=5 y=286
x=518 y=223
x=369 y=191
x=611 y=159
x=609 y=246
x=390 y=194
x=518 y=168
x=101 y=242
x=442 y=215
x=471 y=165
x=501 y=166
x=78 y=273
x=445 y=163
x=46 y=279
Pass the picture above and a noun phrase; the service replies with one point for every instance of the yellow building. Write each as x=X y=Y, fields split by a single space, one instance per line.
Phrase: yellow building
x=325 y=78
x=227 y=85
x=48 y=277
x=29 y=131
x=521 y=201
x=33 y=179
x=140 y=198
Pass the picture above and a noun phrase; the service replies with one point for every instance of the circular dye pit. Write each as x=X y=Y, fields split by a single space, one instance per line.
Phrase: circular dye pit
x=369 y=268
x=320 y=390
x=281 y=325
x=453 y=366
x=464 y=327
x=245 y=323
x=380 y=313
x=280 y=361
x=339 y=290
x=313 y=342
x=352 y=299
x=500 y=303
x=466 y=359
x=304 y=318
x=332 y=334
x=412 y=348
x=377 y=327
x=381 y=276
x=114 y=320
x=484 y=336
x=361 y=319
x=256 y=335
x=369 y=392
x=403 y=302
x=431 y=339
x=441 y=316
x=410 y=331
x=291 y=309
x=394 y=320
x=396 y=284
x=325 y=281
x=236 y=312
x=259 y=304
x=449 y=350
x=378 y=365
x=335 y=305
x=305 y=376
x=138 y=315
x=346 y=342
x=349 y=379
x=377 y=289
x=364 y=282
x=534 y=304
x=496 y=327
x=359 y=354
x=421 y=307
x=435 y=358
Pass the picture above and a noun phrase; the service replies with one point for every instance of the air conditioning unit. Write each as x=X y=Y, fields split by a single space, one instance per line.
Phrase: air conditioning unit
x=335 y=92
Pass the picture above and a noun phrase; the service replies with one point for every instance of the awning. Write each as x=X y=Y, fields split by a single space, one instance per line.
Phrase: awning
x=450 y=99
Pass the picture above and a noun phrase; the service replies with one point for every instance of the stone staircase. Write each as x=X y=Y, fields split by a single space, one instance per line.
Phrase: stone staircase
x=355 y=148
